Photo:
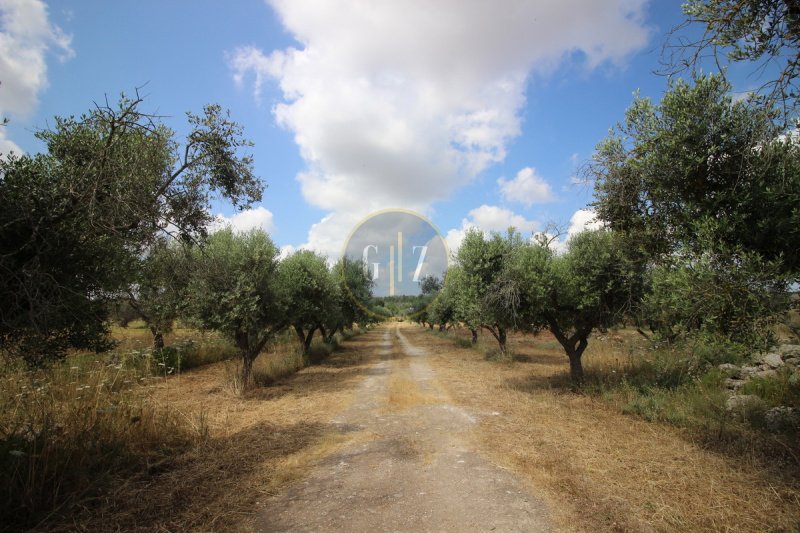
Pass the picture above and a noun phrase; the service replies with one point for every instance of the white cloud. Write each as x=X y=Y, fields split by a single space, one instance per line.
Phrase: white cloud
x=7 y=145
x=259 y=217
x=582 y=220
x=286 y=251
x=489 y=218
x=526 y=188
x=397 y=104
x=26 y=36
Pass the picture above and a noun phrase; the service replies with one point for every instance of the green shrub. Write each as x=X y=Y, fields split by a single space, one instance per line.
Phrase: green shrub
x=782 y=389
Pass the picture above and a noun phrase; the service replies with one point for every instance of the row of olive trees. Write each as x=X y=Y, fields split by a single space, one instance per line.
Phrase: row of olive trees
x=236 y=284
x=501 y=283
x=117 y=209
x=699 y=195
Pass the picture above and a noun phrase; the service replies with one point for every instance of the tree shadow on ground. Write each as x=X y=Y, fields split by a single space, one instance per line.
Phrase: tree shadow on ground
x=211 y=487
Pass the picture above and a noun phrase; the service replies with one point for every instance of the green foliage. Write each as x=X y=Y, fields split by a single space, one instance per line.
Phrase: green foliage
x=441 y=309
x=709 y=190
x=236 y=291
x=75 y=220
x=781 y=390
x=312 y=296
x=159 y=294
x=761 y=32
x=430 y=284
x=738 y=298
x=477 y=279
x=595 y=284
x=355 y=289
x=701 y=173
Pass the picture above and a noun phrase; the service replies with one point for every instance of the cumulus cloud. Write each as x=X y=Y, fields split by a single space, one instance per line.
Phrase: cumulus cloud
x=526 y=188
x=7 y=145
x=258 y=218
x=286 y=251
x=400 y=103
x=26 y=37
x=489 y=218
x=581 y=220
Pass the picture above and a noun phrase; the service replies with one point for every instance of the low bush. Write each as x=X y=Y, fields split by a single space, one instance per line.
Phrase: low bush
x=781 y=390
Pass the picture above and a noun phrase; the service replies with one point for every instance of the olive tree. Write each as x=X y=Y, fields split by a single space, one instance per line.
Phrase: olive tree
x=236 y=290
x=311 y=294
x=160 y=291
x=708 y=188
x=700 y=169
x=482 y=260
x=763 y=33
x=76 y=220
x=465 y=300
x=593 y=285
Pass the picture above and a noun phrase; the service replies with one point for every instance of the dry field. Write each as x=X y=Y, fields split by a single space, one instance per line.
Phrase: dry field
x=594 y=468
x=598 y=469
x=254 y=445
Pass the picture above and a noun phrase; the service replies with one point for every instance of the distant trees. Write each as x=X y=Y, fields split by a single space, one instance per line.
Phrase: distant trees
x=76 y=220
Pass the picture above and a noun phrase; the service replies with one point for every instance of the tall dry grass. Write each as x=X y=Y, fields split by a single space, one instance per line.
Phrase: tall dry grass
x=67 y=432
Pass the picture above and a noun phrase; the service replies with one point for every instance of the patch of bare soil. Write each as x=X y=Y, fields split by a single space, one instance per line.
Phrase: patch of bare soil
x=600 y=470
x=413 y=469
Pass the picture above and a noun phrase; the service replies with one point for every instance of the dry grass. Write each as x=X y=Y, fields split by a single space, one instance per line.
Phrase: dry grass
x=65 y=432
x=599 y=469
x=255 y=444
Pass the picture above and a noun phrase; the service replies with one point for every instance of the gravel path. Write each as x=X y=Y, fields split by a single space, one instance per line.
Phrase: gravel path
x=412 y=470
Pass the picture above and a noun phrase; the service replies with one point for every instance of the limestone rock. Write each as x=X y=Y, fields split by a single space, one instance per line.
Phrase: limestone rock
x=738 y=402
x=789 y=350
x=732 y=371
x=782 y=417
x=773 y=360
x=747 y=371
x=733 y=383
x=766 y=373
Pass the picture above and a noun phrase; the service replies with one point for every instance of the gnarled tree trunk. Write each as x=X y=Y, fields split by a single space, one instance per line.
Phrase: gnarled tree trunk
x=158 y=339
x=574 y=346
x=304 y=338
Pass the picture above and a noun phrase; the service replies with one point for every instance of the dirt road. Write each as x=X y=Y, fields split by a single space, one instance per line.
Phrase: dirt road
x=409 y=466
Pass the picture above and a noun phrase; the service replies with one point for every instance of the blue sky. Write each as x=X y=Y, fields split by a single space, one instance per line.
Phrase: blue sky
x=470 y=112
